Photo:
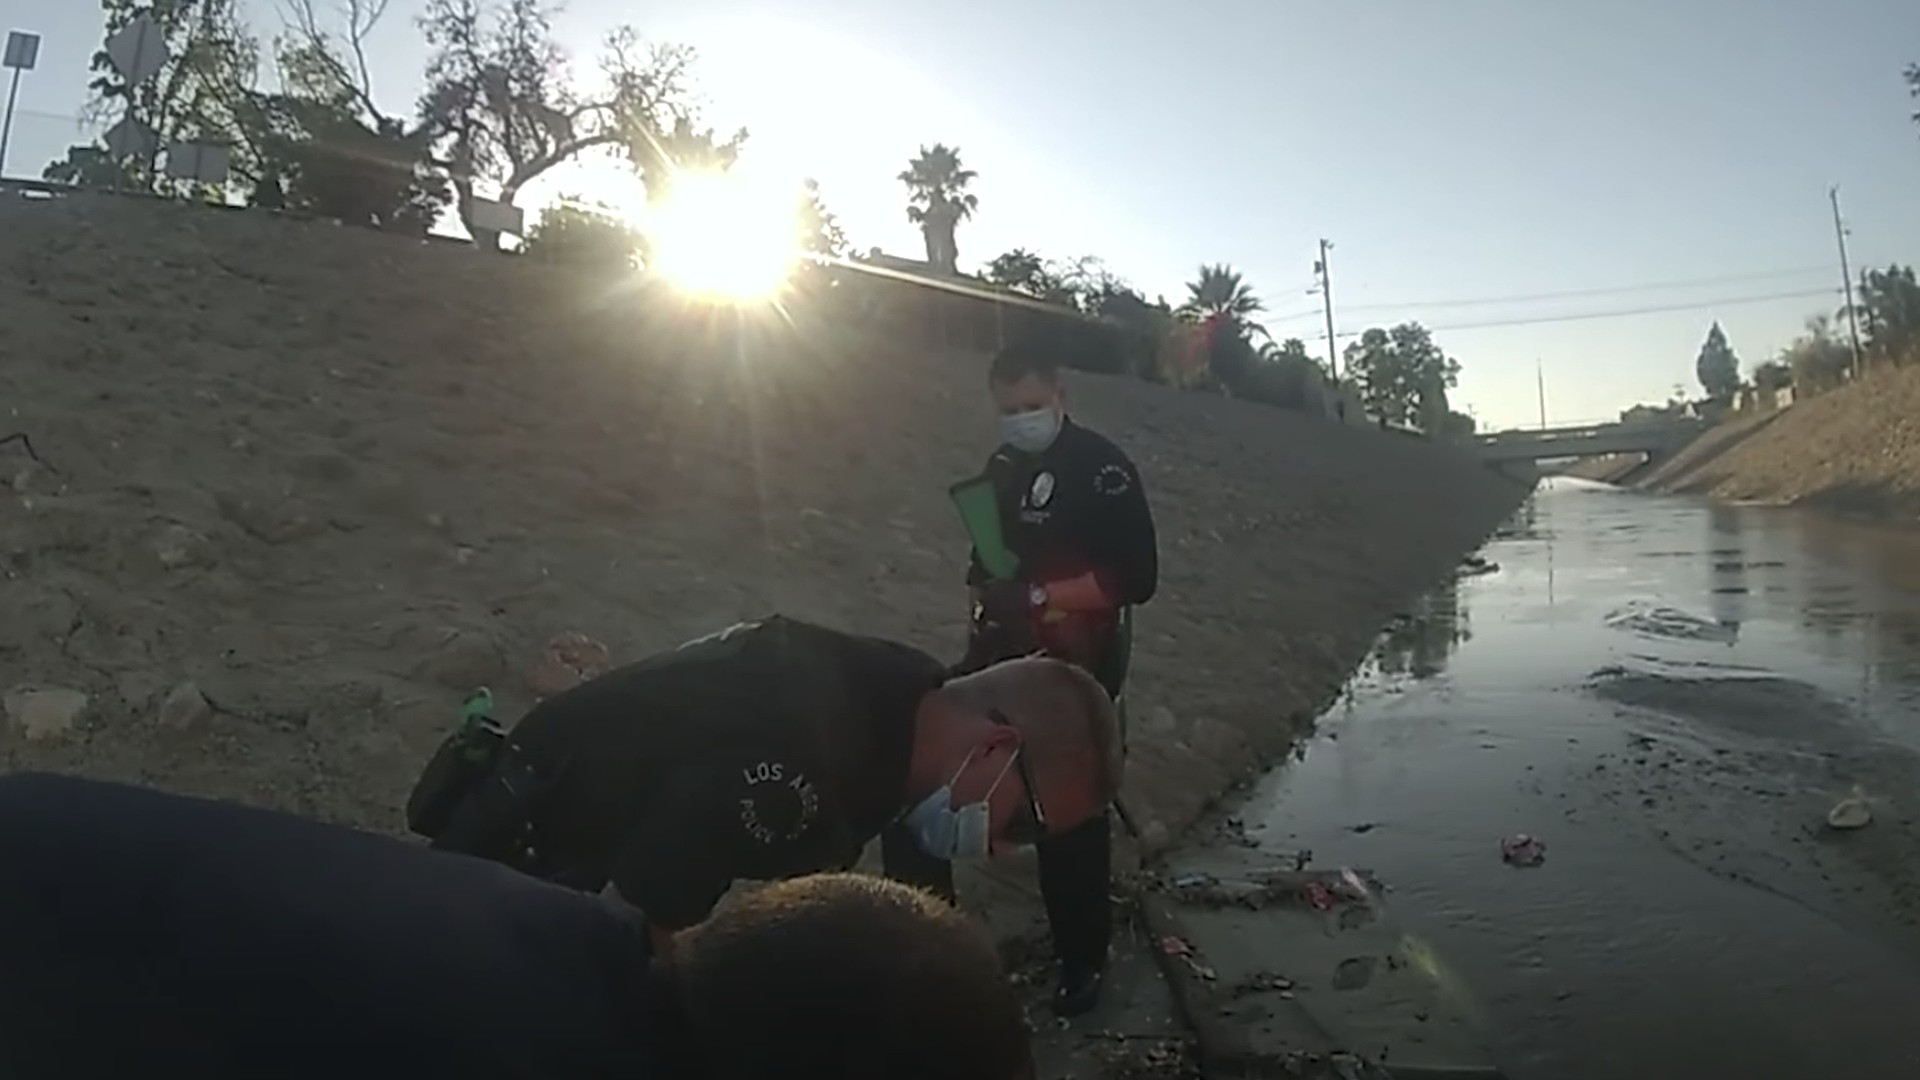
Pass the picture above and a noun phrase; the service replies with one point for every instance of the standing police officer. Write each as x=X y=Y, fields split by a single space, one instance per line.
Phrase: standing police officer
x=771 y=750
x=1075 y=514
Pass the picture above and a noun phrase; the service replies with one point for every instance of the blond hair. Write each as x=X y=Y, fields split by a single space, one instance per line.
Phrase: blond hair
x=1063 y=714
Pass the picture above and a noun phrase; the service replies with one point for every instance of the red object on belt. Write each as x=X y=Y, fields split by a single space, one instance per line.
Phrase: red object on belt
x=1078 y=617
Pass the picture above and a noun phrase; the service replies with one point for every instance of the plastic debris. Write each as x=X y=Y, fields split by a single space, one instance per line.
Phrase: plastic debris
x=1851 y=812
x=1523 y=850
x=1320 y=896
x=1173 y=946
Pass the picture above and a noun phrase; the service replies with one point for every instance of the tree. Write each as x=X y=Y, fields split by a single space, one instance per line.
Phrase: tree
x=820 y=232
x=1718 y=368
x=498 y=110
x=1913 y=87
x=1402 y=375
x=938 y=201
x=1772 y=375
x=1220 y=290
x=1021 y=271
x=1889 y=310
x=211 y=62
x=1458 y=427
x=1818 y=360
x=586 y=235
x=322 y=146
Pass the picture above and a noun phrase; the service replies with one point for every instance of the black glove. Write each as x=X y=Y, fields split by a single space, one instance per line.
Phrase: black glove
x=1002 y=625
x=1006 y=605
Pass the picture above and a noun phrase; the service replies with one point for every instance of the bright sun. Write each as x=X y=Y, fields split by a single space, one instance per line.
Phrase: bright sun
x=724 y=236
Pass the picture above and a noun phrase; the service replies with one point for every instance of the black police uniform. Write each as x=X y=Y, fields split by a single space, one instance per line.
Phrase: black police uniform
x=769 y=750
x=149 y=934
x=1076 y=507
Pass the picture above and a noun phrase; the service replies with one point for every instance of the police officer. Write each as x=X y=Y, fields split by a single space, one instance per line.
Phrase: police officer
x=1075 y=514
x=148 y=934
x=774 y=749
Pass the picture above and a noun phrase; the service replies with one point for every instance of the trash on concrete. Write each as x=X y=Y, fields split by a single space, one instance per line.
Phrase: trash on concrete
x=1851 y=812
x=1182 y=949
x=44 y=712
x=1323 y=890
x=1523 y=850
x=1263 y=982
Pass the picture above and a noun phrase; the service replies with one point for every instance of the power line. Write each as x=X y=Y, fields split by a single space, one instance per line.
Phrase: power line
x=1603 y=291
x=1626 y=313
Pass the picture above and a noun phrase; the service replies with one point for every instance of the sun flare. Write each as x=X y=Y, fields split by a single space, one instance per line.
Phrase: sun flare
x=725 y=236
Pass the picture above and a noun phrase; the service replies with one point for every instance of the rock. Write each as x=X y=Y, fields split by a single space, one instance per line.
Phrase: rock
x=570 y=659
x=1158 y=720
x=1154 y=838
x=178 y=547
x=185 y=708
x=44 y=713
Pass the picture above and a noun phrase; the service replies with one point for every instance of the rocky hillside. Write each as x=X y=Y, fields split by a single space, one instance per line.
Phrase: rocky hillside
x=1853 y=451
x=300 y=487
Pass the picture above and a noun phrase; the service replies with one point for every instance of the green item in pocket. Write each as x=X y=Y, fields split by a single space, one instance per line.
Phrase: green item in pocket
x=979 y=508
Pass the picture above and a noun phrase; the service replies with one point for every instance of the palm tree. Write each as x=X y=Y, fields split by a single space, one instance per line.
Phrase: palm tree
x=938 y=201
x=1220 y=291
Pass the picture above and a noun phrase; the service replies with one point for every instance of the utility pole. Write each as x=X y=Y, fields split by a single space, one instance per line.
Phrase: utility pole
x=1326 y=299
x=1846 y=277
x=1540 y=381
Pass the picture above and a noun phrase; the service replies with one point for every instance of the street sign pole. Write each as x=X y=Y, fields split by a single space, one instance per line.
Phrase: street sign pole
x=23 y=52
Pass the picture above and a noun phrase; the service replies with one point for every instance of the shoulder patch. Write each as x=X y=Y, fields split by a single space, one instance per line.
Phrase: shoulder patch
x=1112 y=479
x=777 y=802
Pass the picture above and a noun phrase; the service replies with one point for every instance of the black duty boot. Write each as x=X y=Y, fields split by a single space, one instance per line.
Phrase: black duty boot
x=1078 y=992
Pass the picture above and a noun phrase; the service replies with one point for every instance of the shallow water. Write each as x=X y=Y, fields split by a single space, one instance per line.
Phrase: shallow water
x=1670 y=695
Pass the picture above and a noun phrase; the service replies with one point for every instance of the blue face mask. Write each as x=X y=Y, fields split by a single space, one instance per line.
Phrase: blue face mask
x=950 y=832
x=1031 y=432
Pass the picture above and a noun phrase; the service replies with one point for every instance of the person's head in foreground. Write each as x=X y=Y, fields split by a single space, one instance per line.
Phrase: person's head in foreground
x=1008 y=755
x=1025 y=382
x=842 y=976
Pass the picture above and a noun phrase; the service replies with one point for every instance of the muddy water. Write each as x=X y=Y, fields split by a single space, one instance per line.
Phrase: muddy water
x=1670 y=695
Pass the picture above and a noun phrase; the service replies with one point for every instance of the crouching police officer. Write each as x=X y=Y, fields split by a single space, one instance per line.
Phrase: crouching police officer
x=1074 y=514
x=770 y=750
x=147 y=934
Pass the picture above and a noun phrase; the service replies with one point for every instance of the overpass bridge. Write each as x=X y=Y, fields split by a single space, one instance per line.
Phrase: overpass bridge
x=1656 y=438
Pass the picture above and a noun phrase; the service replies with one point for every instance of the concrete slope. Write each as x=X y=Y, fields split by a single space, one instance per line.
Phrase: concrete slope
x=309 y=484
x=1855 y=451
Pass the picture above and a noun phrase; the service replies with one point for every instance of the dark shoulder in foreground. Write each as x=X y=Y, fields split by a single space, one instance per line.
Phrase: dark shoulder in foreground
x=145 y=933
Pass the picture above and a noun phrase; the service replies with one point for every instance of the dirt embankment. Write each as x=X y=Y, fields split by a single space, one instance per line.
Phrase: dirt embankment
x=309 y=485
x=1605 y=469
x=1855 y=451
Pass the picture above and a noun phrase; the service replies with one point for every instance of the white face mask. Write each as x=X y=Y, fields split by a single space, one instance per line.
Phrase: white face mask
x=1033 y=431
x=950 y=832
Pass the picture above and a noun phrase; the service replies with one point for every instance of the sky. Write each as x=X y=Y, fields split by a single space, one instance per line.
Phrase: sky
x=1474 y=162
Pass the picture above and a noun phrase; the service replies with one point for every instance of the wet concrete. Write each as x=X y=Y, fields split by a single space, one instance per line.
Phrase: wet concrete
x=1670 y=695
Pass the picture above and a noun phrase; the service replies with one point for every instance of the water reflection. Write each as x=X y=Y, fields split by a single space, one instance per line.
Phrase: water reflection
x=1418 y=643
x=1727 y=570
x=1694 y=916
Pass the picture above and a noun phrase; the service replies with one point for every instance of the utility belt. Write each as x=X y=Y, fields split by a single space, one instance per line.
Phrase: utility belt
x=477 y=792
x=1103 y=645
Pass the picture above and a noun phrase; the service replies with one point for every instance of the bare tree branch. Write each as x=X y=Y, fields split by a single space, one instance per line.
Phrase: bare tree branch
x=361 y=18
